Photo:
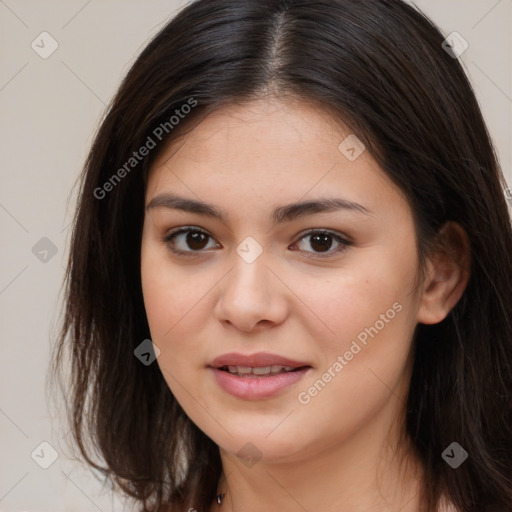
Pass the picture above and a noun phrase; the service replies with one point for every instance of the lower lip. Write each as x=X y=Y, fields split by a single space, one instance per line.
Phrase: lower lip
x=255 y=387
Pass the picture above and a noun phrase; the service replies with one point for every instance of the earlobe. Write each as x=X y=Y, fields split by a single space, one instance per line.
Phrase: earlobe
x=448 y=271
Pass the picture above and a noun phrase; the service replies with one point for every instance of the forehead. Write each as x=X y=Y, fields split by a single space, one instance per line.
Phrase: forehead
x=270 y=148
x=286 y=121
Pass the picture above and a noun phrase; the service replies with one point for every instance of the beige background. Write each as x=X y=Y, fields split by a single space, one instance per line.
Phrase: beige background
x=50 y=109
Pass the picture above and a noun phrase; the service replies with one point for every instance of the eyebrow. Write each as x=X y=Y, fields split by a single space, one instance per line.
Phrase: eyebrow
x=279 y=215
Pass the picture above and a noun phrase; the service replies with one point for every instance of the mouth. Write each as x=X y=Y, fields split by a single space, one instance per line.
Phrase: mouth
x=262 y=362
x=257 y=376
x=260 y=371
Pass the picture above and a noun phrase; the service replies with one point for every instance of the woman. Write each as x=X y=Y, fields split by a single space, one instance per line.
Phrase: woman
x=288 y=286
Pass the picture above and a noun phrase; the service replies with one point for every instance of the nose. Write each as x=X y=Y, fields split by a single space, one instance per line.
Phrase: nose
x=251 y=296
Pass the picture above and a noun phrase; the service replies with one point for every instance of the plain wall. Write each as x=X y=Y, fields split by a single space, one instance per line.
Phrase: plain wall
x=50 y=109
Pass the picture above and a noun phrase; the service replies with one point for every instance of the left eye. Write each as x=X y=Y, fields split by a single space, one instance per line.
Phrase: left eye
x=322 y=242
x=196 y=240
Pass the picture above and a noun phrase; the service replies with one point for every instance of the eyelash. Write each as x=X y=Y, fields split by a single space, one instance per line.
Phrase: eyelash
x=168 y=239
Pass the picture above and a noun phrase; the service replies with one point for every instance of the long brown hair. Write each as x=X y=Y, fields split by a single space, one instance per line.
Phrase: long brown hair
x=380 y=66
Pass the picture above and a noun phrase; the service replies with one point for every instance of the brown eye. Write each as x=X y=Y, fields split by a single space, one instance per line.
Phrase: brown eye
x=322 y=241
x=187 y=241
x=196 y=240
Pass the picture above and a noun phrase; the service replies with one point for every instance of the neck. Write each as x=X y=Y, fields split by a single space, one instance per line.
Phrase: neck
x=363 y=473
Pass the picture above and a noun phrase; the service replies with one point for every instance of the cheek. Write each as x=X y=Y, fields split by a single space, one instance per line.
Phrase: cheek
x=365 y=361
x=364 y=336
x=169 y=300
x=177 y=307
x=341 y=307
x=156 y=291
x=168 y=294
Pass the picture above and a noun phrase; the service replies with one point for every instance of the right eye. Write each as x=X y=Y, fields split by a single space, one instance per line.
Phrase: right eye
x=181 y=240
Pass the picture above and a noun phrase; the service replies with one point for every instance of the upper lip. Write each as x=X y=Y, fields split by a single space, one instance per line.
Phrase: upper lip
x=261 y=359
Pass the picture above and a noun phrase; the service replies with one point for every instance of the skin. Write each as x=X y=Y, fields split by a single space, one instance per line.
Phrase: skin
x=342 y=450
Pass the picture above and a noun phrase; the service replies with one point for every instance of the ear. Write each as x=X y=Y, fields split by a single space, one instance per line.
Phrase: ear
x=448 y=271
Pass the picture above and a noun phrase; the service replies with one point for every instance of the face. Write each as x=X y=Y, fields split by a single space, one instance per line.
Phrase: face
x=319 y=295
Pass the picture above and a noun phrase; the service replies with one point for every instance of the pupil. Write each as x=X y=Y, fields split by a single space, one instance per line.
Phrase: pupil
x=195 y=240
x=323 y=240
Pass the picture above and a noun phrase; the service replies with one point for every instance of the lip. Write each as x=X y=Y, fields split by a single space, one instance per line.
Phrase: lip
x=256 y=387
x=254 y=360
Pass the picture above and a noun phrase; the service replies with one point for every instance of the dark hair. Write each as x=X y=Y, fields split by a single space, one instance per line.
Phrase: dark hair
x=380 y=68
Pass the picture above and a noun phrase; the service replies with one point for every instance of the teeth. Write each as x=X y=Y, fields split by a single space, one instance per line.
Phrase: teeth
x=240 y=369
x=262 y=370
